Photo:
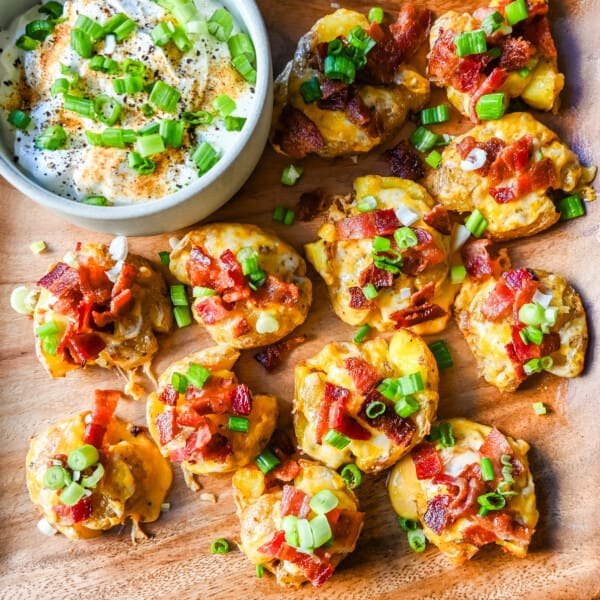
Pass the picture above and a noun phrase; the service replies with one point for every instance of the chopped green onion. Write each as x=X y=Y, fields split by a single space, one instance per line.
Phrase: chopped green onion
x=47 y=329
x=234 y=123
x=184 y=11
x=458 y=274
x=60 y=86
x=570 y=207
x=362 y=333
x=165 y=258
x=367 y=204
x=90 y=27
x=490 y=501
x=470 y=42
x=37 y=247
x=96 y=201
x=238 y=424
x=72 y=494
x=266 y=461
x=83 y=457
x=406 y=406
x=147 y=110
x=291 y=174
x=219 y=546
x=381 y=244
x=150 y=144
x=423 y=139
x=91 y=481
x=375 y=15
x=443 y=434
x=289 y=524
x=546 y=362
x=71 y=74
x=516 y=12
x=171 y=132
x=335 y=47
x=321 y=530
x=181 y=40
x=112 y=137
x=266 y=323
x=130 y=84
x=375 y=409
x=178 y=295
x=494 y=52
x=410 y=384
x=179 y=382
x=352 y=476
x=405 y=238
x=81 y=43
x=490 y=106
x=161 y=34
x=196 y=27
x=487 y=469
x=224 y=105
x=434 y=159
x=149 y=129
x=143 y=166
x=19 y=119
x=82 y=106
x=197 y=375
x=531 y=335
x=220 y=24
x=202 y=292
x=200 y=117
x=241 y=44
x=164 y=96
x=260 y=569
x=539 y=408
x=279 y=214
x=532 y=313
x=336 y=439
x=125 y=29
x=55 y=478
x=492 y=22
x=407 y=524
x=52 y=138
x=39 y=30
x=441 y=353
x=26 y=43
x=183 y=316
x=205 y=157
x=417 y=540
x=323 y=501
x=435 y=114
x=339 y=67
x=107 y=109
x=311 y=90
x=111 y=25
x=370 y=291
x=388 y=388
x=50 y=345
x=476 y=223
x=53 y=9
x=244 y=67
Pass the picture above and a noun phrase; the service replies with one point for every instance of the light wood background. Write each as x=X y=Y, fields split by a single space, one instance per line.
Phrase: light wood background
x=564 y=562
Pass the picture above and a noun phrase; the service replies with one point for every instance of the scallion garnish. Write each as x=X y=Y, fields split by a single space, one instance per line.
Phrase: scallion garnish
x=336 y=439
x=290 y=176
x=238 y=424
x=406 y=406
x=435 y=114
x=52 y=138
x=124 y=29
x=205 y=157
x=148 y=145
x=323 y=501
x=410 y=384
x=539 y=408
x=487 y=469
x=367 y=204
x=93 y=29
x=470 y=42
x=83 y=457
x=490 y=106
x=443 y=434
x=82 y=43
x=91 y=481
x=458 y=274
x=375 y=409
x=570 y=207
x=375 y=15
x=423 y=139
x=26 y=43
x=266 y=461
x=181 y=40
x=434 y=159
x=476 y=223
x=95 y=201
x=60 y=86
x=234 y=123
x=72 y=494
x=311 y=90
x=112 y=137
x=19 y=119
x=82 y=106
x=165 y=258
x=178 y=295
x=107 y=109
x=55 y=478
x=370 y=291
x=441 y=353
x=115 y=21
x=260 y=569
x=516 y=12
x=182 y=315
x=241 y=44
x=220 y=24
x=224 y=105
x=339 y=67
x=219 y=546
x=197 y=375
x=200 y=117
x=53 y=9
x=142 y=166
x=39 y=30
x=171 y=132
x=245 y=68
x=492 y=22
x=161 y=34
x=179 y=382
x=405 y=238
x=164 y=96
x=361 y=334
x=202 y=292
x=184 y=11
x=490 y=501
x=407 y=524
x=417 y=540
x=352 y=476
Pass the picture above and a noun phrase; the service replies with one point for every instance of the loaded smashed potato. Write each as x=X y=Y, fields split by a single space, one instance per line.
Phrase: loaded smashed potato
x=347 y=88
x=91 y=472
x=249 y=286
x=468 y=487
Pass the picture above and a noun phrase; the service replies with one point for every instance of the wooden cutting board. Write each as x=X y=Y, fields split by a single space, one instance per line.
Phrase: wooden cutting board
x=564 y=562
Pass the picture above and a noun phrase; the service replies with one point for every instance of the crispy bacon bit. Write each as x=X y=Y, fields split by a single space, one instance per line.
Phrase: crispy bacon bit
x=276 y=291
x=491 y=147
x=103 y=409
x=367 y=225
x=511 y=160
x=435 y=516
x=211 y=310
x=59 y=279
x=297 y=135
x=82 y=510
x=427 y=461
x=503 y=195
x=213 y=399
x=541 y=175
x=516 y=53
x=240 y=327
x=516 y=278
x=413 y=315
x=358 y=300
x=465 y=490
x=357 y=112
x=423 y=295
x=477 y=259
x=439 y=218
x=517 y=365
x=294 y=502
x=333 y=394
x=498 y=302
x=84 y=346
x=125 y=280
x=166 y=424
x=201 y=268
x=550 y=343
x=95 y=286
x=478 y=536
x=399 y=430
x=405 y=161
x=169 y=395
x=271 y=356
x=523 y=351
x=317 y=570
x=241 y=400
x=187 y=416
x=288 y=470
x=493 y=447
x=331 y=87
x=411 y=28
x=218 y=449
x=311 y=204
x=271 y=549
x=464 y=147
x=491 y=84
x=422 y=256
x=232 y=268
x=364 y=375
x=337 y=100
x=524 y=295
x=537 y=31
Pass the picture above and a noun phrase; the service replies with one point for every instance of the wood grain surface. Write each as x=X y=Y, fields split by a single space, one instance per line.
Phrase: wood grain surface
x=564 y=561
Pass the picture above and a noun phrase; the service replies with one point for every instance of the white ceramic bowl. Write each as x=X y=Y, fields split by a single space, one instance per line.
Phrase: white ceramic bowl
x=198 y=200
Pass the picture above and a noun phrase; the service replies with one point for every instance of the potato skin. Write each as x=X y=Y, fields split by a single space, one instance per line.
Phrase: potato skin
x=406 y=353
x=487 y=339
x=275 y=257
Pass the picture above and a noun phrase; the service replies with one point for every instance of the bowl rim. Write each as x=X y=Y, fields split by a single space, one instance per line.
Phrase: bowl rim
x=250 y=19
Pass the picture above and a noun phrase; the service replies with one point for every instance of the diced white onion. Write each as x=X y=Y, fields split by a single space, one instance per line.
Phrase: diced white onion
x=118 y=248
x=406 y=216
x=459 y=236
x=543 y=299
x=405 y=293
x=71 y=259
x=173 y=242
x=267 y=323
x=31 y=300
x=165 y=507
x=18 y=300
x=474 y=160
x=110 y=44
x=113 y=274
x=45 y=528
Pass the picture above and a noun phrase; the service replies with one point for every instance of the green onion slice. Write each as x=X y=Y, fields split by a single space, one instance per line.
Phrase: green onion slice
x=441 y=353
x=161 y=34
x=182 y=315
x=150 y=144
x=458 y=273
x=202 y=292
x=52 y=138
x=96 y=201
x=178 y=295
x=234 y=123
x=266 y=461
x=172 y=132
x=367 y=204
x=407 y=524
x=91 y=481
x=240 y=44
x=239 y=424
x=55 y=478
x=339 y=67
x=19 y=119
x=220 y=24
x=539 y=408
x=244 y=67
x=205 y=157
x=490 y=106
x=434 y=159
x=362 y=333
x=323 y=501
x=336 y=439
x=490 y=501
x=405 y=238
x=224 y=105
x=290 y=175
x=476 y=223
x=487 y=469
x=219 y=546
x=179 y=382
x=352 y=475
x=197 y=375
x=200 y=117
x=375 y=15
x=492 y=22
x=417 y=540
x=107 y=109
x=164 y=96
x=81 y=43
x=406 y=406
x=83 y=457
x=375 y=409
x=53 y=9
x=423 y=139
x=311 y=90
x=516 y=12
x=72 y=494
x=435 y=114
x=370 y=291
x=93 y=29
x=570 y=207
x=470 y=42
x=321 y=530
x=39 y=30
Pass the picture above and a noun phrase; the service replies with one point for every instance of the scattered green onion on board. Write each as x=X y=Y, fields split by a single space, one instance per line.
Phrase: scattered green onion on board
x=219 y=546
x=352 y=476
x=441 y=353
x=291 y=174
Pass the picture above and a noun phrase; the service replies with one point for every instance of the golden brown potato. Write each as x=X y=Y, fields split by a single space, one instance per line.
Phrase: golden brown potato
x=354 y=117
x=525 y=64
x=489 y=313
x=520 y=161
x=414 y=291
x=335 y=389
x=234 y=308
x=441 y=486
x=262 y=506
x=193 y=426
x=103 y=310
x=134 y=483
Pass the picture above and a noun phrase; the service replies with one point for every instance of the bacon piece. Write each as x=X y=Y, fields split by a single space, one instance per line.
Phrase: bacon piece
x=94 y=284
x=517 y=365
x=516 y=278
x=316 y=570
x=503 y=195
x=405 y=161
x=276 y=291
x=542 y=175
x=427 y=460
x=103 y=409
x=218 y=449
x=62 y=277
x=435 y=516
x=516 y=53
x=511 y=160
x=491 y=84
x=508 y=529
x=169 y=395
x=411 y=28
x=423 y=295
x=523 y=351
x=469 y=485
x=439 y=218
x=537 y=31
x=241 y=400
x=478 y=536
x=294 y=502
x=399 y=430
x=477 y=259
x=272 y=548
x=296 y=134
x=201 y=268
x=335 y=101
x=380 y=278
x=333 y=394
x=386 y=221
x=166 y=425
x=358 y=300
x=499 y=301
x=271 y=356
x=232 y=268
x=550 y=343
x=211 y=310
x=288 y=470
x=413 y=315
x=198 y=440
x=240 y=327
x=311 y=204
x=357 y=112
x=363 y=374
x=524 y=296
x=464 y=147
x=331 y=87
x=84 y=346
x=82 y=511
x=125 y=280
x=187 y=416
x=422 y=256
x=346 y=529
x=213 y=399
x=494 y=447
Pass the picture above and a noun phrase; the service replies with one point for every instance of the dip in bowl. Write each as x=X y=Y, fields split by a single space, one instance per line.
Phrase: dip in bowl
x=133 y=116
